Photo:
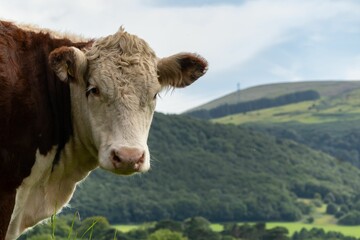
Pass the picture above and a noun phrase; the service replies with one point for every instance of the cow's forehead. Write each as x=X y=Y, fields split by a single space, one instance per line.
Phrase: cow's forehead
x=121 y=44
x=123 y=65
x=122 y=54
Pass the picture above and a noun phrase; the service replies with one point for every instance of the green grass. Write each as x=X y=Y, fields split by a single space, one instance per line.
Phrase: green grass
x=217 y=227
x=308 y=112
x=128 y=227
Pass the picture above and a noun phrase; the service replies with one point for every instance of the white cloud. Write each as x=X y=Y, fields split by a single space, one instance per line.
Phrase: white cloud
x=227 y=35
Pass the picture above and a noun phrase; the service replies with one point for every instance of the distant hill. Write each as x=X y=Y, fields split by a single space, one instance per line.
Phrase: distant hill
x=330 y=124
x=254 y=105
x=342 y=107
x=221 y=172
x=324 y=88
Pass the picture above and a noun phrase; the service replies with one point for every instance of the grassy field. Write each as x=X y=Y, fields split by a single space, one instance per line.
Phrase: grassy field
x=126 y=227
x=321 y=220
x=345 y=107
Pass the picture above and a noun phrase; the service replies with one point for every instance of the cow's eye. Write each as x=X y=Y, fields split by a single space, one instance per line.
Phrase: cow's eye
x=92 y=90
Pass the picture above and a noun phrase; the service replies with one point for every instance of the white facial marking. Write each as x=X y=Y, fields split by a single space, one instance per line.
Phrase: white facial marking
x=122 y=82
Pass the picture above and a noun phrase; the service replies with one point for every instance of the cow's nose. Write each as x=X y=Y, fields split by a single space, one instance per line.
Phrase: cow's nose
x=128 y=158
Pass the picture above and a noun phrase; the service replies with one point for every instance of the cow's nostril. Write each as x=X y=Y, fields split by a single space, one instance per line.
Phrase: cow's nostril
x=116 y=159
x=142 y=158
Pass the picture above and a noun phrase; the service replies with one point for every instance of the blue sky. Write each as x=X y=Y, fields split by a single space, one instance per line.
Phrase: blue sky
x=250 y=42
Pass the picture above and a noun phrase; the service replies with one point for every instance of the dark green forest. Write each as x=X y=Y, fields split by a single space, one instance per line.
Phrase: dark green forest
x=223 y=173
x=339 y=140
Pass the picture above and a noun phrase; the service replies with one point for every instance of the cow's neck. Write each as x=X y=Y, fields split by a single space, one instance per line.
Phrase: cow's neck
x=48 y=188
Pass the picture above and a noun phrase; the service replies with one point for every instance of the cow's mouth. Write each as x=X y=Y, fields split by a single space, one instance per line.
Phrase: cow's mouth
x=127 y=167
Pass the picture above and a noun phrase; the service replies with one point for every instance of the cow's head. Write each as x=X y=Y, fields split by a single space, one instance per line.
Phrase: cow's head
x=114 y=85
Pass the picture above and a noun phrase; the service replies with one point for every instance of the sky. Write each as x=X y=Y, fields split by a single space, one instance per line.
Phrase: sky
x=246 y=42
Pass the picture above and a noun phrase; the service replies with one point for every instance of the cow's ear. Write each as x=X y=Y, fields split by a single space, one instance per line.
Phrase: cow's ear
x=68 y=62
x=181 y=70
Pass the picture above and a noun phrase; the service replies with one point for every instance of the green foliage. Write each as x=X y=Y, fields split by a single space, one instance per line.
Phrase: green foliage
x=255 y=232
x=339 y=140
x=331 y=209
x=351 y=218
x=310 y=220
x=224 y=173
x=92 y=226
x=319 y=234
x=41 y=237
x=170 y=225
x=278 y=233
x=198 y=228
x=166 y=234
x=68 y=227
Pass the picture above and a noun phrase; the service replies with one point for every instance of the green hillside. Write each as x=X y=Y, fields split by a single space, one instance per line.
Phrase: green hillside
x=324 y=88
x=341 y=107
x=330 y=124
x=224 y=173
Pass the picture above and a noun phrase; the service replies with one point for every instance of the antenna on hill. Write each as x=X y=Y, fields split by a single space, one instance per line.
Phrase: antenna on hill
x=238 y=92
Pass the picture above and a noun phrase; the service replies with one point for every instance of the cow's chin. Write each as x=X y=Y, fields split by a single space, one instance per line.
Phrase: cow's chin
x=124 y=170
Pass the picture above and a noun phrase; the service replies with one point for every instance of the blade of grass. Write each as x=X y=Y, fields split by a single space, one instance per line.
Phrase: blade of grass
x=115 y=234
x=53 y=223
x=89 y=228
x=72 y=225
x=91 y=233
x=53 y=226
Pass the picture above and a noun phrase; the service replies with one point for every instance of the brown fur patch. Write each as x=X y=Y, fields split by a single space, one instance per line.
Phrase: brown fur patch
x=34 y=106
x=7 y=201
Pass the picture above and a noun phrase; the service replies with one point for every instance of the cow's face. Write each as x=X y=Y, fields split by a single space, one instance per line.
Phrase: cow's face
x=116 y=82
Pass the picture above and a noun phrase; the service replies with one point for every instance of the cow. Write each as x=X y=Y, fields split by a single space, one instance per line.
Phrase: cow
x=69 y=105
